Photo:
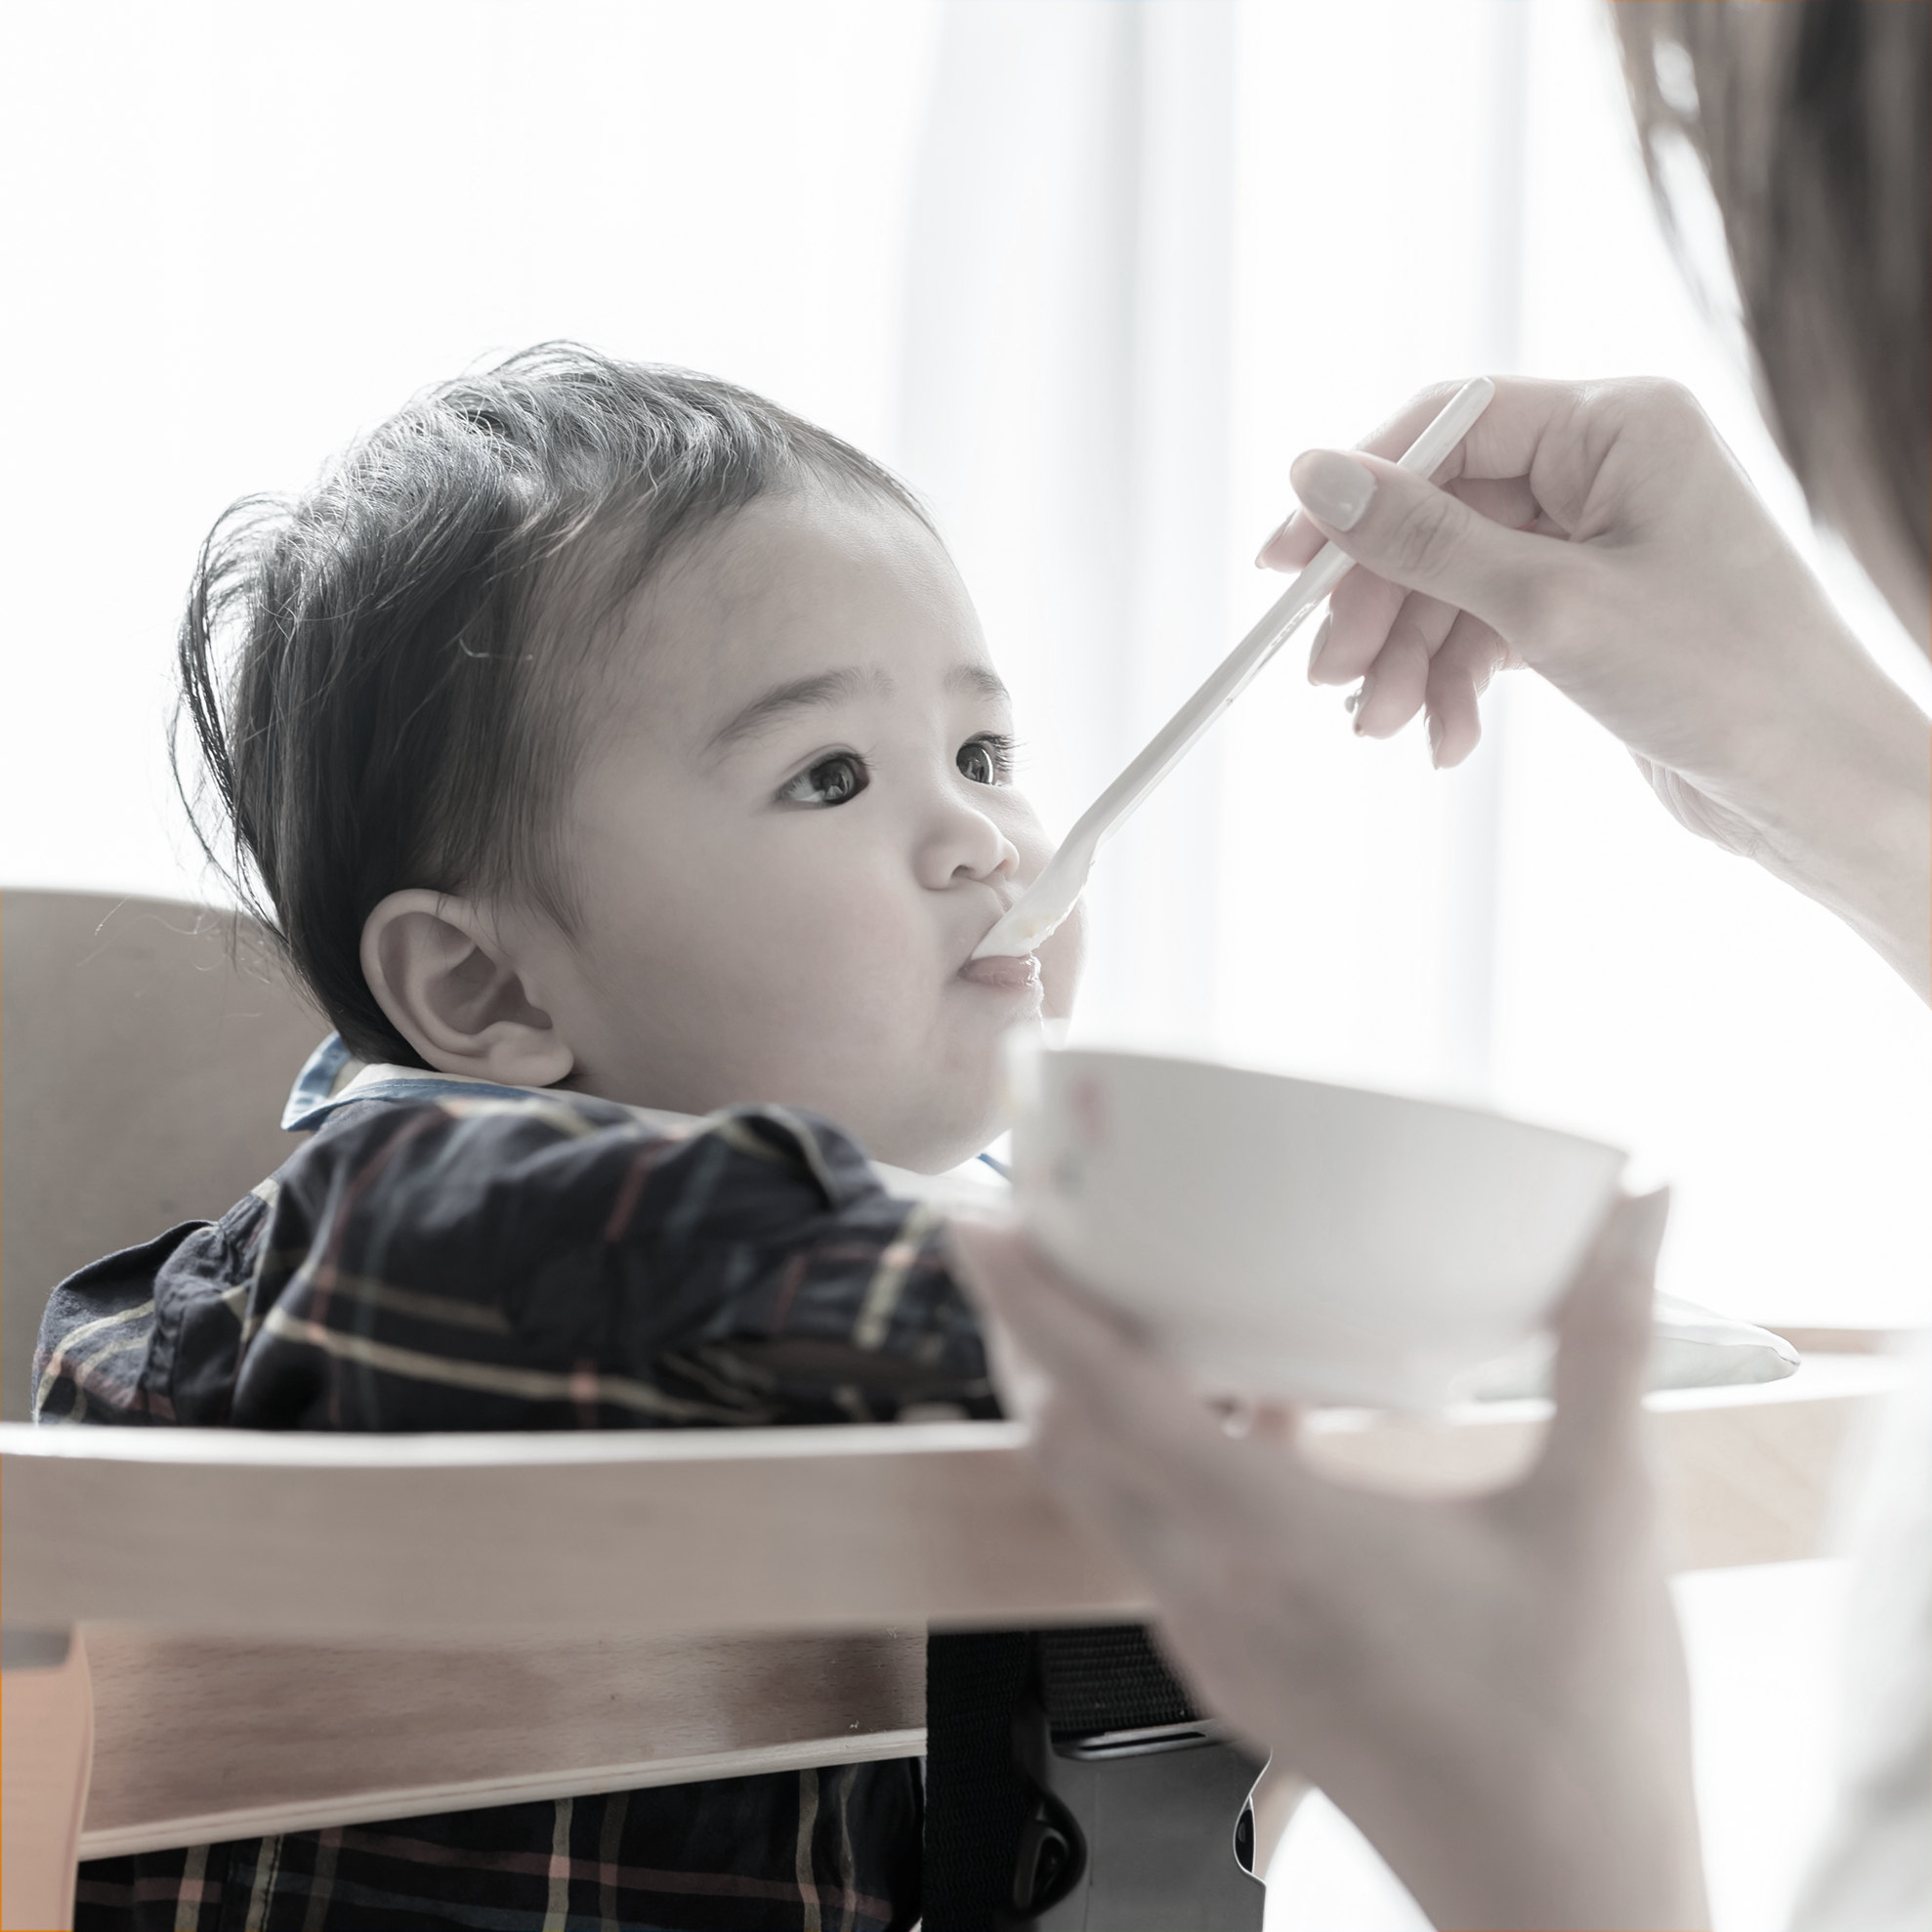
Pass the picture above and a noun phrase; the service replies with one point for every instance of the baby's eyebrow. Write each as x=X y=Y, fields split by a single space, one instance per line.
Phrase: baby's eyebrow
x=829 y=687
x=980 y=678
x=821 y=689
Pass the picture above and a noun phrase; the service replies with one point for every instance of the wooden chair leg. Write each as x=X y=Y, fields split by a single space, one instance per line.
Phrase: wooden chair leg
x=46 y=1756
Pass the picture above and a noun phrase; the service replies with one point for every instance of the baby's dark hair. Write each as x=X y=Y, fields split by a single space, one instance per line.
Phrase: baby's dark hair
x=383 y=679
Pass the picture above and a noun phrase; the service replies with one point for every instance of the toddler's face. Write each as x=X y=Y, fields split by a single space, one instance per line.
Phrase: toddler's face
x=795 y=825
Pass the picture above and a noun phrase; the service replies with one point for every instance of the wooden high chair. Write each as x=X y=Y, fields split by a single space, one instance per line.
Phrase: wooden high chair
x=213 y=1635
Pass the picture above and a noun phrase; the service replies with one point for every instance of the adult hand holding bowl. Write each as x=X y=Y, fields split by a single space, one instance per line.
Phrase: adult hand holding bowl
x=1431 y=1663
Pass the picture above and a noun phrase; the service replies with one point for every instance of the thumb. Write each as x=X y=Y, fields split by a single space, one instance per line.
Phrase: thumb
x=1407 y=531
x=1604 y=1344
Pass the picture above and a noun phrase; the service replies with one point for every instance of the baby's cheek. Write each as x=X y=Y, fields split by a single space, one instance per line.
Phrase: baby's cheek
x=871 y=970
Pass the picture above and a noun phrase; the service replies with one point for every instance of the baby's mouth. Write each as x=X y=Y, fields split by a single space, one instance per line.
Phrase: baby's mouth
x=1014 y=975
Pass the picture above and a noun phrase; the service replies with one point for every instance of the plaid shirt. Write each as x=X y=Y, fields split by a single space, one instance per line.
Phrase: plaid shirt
x=458 y=1256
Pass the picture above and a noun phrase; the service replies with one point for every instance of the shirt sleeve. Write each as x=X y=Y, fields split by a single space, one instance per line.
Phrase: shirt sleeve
x=95 y=1357
x=539 y=1265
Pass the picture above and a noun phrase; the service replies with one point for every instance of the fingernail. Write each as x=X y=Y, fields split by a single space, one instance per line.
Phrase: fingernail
x=1636 y=1228
x=1280 y=531
x=1332 y=486
x=1436 y=742
x=1320 y=645
x=1358 y=701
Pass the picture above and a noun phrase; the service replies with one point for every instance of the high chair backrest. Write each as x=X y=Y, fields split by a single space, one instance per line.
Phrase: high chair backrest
x=143 y=1062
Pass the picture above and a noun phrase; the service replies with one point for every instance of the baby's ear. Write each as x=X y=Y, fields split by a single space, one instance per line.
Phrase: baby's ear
x=452 y=991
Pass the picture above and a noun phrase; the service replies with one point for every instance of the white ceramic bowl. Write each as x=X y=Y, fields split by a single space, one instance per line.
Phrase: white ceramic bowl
x=1290 y=1238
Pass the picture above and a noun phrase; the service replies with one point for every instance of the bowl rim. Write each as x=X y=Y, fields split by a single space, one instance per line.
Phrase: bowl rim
x=1036 y=1046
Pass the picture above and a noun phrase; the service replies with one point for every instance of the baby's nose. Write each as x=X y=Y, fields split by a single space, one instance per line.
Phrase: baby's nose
x=967 y=848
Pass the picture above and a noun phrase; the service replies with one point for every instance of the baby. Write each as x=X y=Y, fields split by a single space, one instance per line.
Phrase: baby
x=621 y=767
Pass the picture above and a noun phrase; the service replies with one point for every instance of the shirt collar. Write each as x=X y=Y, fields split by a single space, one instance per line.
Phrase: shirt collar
x=332 y=1077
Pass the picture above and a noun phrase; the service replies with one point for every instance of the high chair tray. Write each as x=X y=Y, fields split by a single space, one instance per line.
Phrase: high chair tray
x=642 y=1534
x=277 y=1634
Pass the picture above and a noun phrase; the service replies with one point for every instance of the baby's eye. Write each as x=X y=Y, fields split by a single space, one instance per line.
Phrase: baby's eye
x=987 y=760
x=832 y=780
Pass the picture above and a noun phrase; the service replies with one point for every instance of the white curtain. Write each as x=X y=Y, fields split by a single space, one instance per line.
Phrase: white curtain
x=1076 y=303
x=1065 y=400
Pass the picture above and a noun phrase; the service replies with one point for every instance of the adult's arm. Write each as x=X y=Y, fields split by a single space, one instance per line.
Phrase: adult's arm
x=1494 y=1689
x=1603 y=535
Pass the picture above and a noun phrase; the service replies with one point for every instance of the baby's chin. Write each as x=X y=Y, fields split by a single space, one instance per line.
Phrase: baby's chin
x=945 y=1129
x=935 y=1153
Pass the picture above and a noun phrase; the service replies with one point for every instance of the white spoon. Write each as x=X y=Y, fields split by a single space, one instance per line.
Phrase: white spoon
x=1054 y=894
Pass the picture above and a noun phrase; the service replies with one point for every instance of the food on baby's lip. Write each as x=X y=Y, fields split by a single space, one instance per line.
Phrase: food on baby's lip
x=1003 y=970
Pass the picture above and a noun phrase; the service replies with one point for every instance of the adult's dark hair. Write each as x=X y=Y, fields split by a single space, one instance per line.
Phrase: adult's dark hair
x=385 y=681
x=1814 y=123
